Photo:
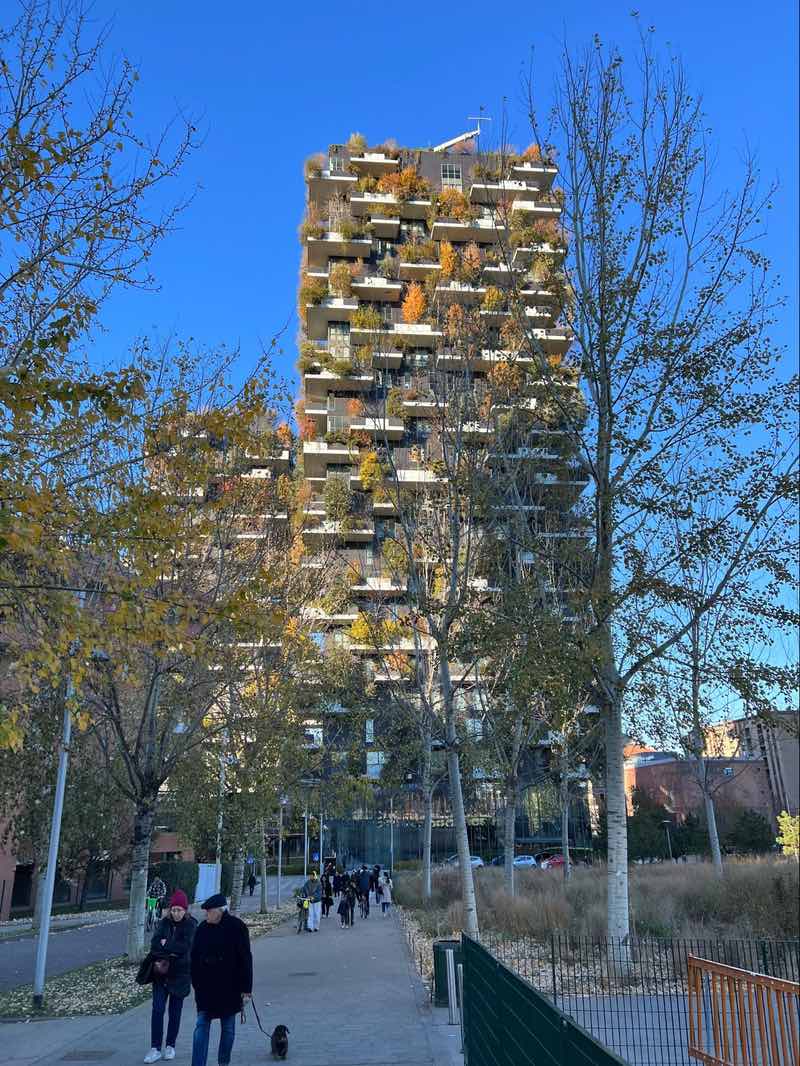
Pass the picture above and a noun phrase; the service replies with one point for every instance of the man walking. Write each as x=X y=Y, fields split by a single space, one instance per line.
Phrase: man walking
x=222 y=977
x=312 y=890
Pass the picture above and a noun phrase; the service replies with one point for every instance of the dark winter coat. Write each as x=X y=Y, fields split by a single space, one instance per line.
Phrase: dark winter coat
x=179 y=937
x=222 y=966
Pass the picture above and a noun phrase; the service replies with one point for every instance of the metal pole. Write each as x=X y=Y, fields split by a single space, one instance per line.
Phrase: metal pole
x=218 y=870
x=452 y=994
x=280 y=853
x=52 y=853
x=321 y=833
x=669 y=840
x=305 y=843
x=391 y=835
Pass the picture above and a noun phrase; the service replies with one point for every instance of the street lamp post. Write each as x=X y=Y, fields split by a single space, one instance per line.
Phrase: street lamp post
x=282 y=804
x=52 y=853
x=391 y=835
x=305 y=842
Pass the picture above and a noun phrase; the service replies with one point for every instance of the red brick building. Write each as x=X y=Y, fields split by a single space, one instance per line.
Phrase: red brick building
x=672 y=781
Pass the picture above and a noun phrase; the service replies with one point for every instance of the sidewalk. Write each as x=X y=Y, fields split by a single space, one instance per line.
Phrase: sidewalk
x=347 y=996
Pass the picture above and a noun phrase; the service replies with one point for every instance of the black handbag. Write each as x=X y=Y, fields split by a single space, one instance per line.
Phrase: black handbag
x=144 y=975
x=160 y=967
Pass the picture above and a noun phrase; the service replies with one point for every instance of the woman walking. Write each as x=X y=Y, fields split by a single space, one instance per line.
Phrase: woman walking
x=171 y=948
x=386 y=894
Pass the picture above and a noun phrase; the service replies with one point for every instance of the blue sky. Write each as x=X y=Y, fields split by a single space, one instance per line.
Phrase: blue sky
x=270 y=84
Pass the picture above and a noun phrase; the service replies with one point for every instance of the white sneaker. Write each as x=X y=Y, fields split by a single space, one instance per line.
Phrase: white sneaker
x=153 y=1055
x=169 y=1052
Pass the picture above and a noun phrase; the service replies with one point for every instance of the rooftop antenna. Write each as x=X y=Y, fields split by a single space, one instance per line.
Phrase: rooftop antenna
x=464 y=136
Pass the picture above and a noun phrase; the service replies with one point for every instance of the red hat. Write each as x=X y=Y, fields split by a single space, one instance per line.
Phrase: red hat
x=178 y=899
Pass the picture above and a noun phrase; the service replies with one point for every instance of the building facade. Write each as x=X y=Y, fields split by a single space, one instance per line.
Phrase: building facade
x=775 y=744
x=401 y=248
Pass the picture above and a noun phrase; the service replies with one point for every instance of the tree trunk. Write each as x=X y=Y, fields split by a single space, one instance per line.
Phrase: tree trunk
x=565 y=815
x=427 y=837
x=462 y=845
x=713 y=833
x=509 y=836
x=427 y=794
x=140 y=861
x=236 y=886
x=617 y=825
x=263 y=903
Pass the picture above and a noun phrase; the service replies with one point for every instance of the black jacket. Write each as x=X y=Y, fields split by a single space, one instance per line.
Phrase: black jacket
x=222 y=966
x=179 y=937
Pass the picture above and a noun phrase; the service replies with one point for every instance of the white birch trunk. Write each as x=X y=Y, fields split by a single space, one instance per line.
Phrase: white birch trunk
x=263 y=902
x=509 y=837
x=713 y=833
x=236 y=886
x=565 y=815
x=462 y=846
x=616 y=815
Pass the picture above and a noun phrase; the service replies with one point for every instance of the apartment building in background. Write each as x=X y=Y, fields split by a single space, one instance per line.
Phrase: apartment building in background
x=776 y=744
x=399 y=244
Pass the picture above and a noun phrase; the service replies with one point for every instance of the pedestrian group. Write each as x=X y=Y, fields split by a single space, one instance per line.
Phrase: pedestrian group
x=214 y=957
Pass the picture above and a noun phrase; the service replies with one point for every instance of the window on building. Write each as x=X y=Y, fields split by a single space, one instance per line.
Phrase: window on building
x=474 y=727
x=336 y=164
x=375 y=761
x=728 y=771
x=451 y=175
x=369 y=731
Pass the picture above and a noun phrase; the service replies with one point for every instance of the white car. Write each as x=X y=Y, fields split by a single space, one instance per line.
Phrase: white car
x=474 y=860
x=525 y=860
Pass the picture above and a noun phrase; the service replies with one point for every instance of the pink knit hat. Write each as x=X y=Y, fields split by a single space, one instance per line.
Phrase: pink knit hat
x=178 y=899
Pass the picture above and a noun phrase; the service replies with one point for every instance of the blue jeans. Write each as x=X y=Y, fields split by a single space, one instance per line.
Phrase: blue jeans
x=160 y=998
x=202 y=1031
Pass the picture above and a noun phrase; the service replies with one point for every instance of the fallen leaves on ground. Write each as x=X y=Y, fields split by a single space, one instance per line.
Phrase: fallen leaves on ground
x=107 y=987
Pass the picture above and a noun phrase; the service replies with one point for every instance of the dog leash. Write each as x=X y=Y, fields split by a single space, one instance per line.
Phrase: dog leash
x=258 y=1020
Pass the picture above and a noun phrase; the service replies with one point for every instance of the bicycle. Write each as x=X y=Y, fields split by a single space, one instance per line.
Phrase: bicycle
x=302 y=913
x=151 y=904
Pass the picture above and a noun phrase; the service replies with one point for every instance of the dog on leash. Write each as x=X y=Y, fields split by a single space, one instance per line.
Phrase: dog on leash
x=280 y=1042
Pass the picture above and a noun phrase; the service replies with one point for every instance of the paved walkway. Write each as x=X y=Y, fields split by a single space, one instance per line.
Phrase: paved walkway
x=349 y=997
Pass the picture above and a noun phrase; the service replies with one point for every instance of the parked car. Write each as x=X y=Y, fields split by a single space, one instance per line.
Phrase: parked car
x=474 y=860
x=525 y=860
x=552 y=862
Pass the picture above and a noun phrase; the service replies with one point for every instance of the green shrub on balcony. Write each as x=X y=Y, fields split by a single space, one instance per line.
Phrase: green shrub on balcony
x=341 y=366
x=336 y=436
x=395 y=558
x=309 y=357
x=394 y=403
x=367 y=183
x=338 y=498
x=389 y=267
x=349 y=228
x=312 y=225
x=366 y=318
x=419 y=252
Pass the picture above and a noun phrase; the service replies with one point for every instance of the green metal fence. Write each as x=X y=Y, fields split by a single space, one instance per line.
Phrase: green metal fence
x=508 y=1023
